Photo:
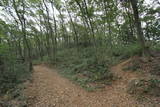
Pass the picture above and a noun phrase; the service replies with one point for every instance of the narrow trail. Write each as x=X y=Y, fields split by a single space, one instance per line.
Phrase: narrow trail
x=49 y=89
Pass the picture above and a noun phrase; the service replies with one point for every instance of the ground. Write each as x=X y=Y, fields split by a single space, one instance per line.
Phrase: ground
x=49 y=89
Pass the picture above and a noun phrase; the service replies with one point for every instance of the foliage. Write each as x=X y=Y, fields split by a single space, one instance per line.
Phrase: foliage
x=14 y=71
x=155 y=46
x=12 y=76
x=126 y=51
x=142 y=86
x=84 y=68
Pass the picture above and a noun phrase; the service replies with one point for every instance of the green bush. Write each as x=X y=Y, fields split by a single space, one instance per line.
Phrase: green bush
x=12 y=76
x=126 y=51
x=143 y=86
x=155 y=46
x=86 y=66
x=13 y=71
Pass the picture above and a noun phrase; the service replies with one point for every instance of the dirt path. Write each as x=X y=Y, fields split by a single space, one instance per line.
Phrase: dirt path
x=49 y=89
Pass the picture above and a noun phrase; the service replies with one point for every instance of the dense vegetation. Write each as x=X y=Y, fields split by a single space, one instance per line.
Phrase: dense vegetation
x=82 y=37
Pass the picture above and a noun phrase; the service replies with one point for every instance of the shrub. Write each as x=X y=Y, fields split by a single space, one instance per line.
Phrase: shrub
x=12 y=76
x=156 y=46
x=86 y=66
x=143 y=86
x=14 y=71
x=126 y=51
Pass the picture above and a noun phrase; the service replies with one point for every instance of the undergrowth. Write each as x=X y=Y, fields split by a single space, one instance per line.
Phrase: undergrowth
x=13 y=72
x=126 y=51
x=11 y=88
x=142 y=87
x=12 y=76
x=92 y=65
x=84 y=67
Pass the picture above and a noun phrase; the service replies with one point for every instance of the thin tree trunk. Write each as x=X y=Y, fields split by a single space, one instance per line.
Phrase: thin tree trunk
x=55 y=26
x=90 y=22
x=23 y=28
x=108 y=21
x=84 y=18
x=74 y=28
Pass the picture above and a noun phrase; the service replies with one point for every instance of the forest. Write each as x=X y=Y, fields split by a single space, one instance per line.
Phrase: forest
x=86 y=48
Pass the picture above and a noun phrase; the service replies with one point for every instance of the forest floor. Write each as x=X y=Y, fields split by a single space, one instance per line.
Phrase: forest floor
x=49 y=89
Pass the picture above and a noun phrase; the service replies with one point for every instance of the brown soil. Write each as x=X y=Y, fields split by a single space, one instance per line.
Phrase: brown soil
x=49 y=89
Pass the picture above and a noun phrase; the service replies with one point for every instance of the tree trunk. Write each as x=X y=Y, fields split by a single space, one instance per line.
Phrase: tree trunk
x=74 y=28
x=145 y=50
x=23 y=29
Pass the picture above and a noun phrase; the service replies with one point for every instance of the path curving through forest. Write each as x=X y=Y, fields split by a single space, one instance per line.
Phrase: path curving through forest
x=49 y=89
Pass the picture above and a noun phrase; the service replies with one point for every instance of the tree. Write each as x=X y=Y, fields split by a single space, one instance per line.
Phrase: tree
x=140 y=35
x=21 y=16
